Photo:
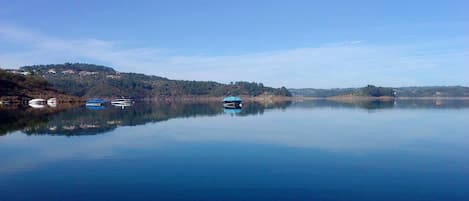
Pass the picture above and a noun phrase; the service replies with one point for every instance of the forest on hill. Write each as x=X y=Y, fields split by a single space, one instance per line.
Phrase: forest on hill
x=20 y=88
x=369 y=91
x=373 y=91
x=88 y=80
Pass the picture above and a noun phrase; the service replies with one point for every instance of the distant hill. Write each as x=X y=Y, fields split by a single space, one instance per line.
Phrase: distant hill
x=370 y=90
x=436 y=91
x=88 y=80
x=20 y=88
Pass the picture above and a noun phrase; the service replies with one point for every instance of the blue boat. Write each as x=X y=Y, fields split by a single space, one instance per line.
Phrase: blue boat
x=232 y=102
x=95 y=102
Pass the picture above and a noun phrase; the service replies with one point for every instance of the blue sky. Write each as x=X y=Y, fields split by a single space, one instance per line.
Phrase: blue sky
x=320 y=44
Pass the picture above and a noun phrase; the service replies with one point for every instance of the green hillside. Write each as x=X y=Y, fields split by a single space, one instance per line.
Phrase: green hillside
x=20 y=88
x=370 y=90
x=88 y=80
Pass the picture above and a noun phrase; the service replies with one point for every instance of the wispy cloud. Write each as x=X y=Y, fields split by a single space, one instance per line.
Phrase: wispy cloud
x=340 y=64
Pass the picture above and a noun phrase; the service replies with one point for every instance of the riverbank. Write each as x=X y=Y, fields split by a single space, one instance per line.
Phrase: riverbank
x=265 y=99
x=262 y=98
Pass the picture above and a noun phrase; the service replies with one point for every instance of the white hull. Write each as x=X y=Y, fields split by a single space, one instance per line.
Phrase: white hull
x=232 y=105
x=52 y=102
x=37 y=103
x=36 y=106
x=122 y=102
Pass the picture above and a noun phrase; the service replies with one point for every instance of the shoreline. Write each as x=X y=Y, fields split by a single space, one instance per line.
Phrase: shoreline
x=70 y=100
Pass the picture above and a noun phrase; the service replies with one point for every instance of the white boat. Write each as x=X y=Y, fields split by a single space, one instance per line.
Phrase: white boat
x=232 y=102
x=122 y=101
x=37 y=103
x=52 y=102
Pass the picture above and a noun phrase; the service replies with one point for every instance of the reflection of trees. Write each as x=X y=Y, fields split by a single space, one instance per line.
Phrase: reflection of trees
x=375 y=104
x=17 y=118
x=256 y=108
x=364 y=104
x=386 y=104
x=437 y=103
x=81 y=121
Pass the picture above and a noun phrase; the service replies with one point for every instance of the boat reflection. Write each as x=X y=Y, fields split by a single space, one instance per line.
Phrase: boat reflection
x=231 y=111
x=90 y=120
x=122 y=105
x=99 y=119
x=97 y=107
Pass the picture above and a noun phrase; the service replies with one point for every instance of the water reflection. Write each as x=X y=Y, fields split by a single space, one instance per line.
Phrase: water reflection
x=18 y=117
x=100 y=107
x=90 y=120
x=83 y=120
x=319 y=148
x=232 y=111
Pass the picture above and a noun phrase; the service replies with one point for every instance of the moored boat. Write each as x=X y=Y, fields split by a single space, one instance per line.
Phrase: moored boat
x=52 y=102
x=122 y=105
x=232 y=102
x=122 y=101
x=95 y=102
x=37 y=103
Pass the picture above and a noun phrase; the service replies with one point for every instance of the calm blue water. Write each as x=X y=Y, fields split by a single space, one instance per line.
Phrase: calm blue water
x=313 y=150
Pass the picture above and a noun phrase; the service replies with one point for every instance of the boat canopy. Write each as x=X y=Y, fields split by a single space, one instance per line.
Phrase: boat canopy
x=232 y=99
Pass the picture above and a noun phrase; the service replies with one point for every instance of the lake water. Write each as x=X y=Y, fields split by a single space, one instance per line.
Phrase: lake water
x=311 y=150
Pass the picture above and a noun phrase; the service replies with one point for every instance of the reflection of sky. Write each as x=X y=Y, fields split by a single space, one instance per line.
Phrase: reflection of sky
x=338 y=130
